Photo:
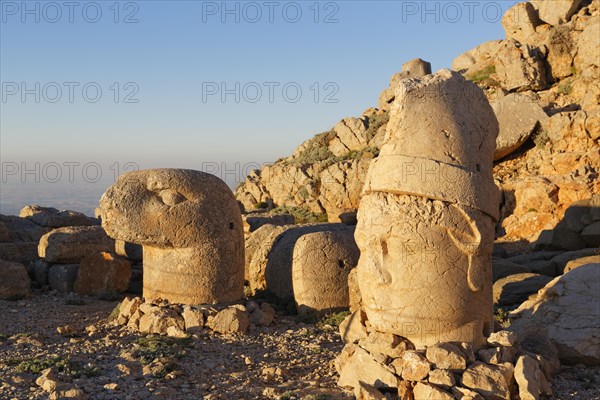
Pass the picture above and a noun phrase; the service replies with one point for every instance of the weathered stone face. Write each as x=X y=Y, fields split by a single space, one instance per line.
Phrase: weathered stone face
x=426 y=219
x=191 y=230
x=425 y=276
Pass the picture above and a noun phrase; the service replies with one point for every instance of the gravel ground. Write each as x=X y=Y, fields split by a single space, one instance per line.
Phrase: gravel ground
x=288 y=360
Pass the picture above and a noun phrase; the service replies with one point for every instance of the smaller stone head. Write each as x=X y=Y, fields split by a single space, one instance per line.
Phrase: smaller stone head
x=190 y=226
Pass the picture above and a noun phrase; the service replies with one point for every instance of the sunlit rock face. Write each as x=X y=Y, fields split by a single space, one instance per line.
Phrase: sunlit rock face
x=190 y=227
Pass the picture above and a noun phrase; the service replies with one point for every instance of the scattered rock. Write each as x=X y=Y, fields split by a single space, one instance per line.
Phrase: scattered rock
x=72 y=243
x=442 y=377
x=230 y=320
x=502 y=338
x=414 y=366
x=14 y=281
x=426 y=391
x=62 y=277
x=492 y=382
x=446 y=356
x=102 y=273
x=556 y=12
x=528 y=376
x=364 y=391
x=356 y=365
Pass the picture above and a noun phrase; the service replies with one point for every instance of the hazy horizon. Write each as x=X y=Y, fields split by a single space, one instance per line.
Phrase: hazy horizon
x=214 y=86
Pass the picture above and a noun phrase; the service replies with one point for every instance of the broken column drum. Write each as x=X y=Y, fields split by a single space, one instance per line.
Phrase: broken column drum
x=426 y=219
x=190 y=227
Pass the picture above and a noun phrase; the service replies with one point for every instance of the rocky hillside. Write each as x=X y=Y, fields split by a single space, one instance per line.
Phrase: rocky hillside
x=542 y=81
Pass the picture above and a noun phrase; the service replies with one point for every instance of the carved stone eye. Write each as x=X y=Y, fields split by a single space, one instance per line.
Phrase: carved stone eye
x=171 y=197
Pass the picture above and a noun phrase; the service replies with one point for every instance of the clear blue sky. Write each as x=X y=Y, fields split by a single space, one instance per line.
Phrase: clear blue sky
x=172 y=56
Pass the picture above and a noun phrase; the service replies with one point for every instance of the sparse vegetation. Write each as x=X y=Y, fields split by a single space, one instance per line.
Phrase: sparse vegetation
x=302 y=215
x=333 y=319
x=65 y=365
x=540 y=138
x=149 y=348
x=501 y=316
x=483 y=77
x=110 y=295
x=260 y=204
x=114 y=314
x=565 y=88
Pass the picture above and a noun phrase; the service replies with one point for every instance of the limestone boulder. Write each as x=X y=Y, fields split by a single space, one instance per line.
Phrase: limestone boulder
x=446 y=356
x=190 y=226
x=17 y=229
x=561 y=261
x=14 y=281
x=52 y=218
x=518 y=117
x=502 y=268
x=356 y=365
x=367 y=392
x=529 y=377
x=350 y=134
x=491 y=381
x=594 y=260
x=478 y=57
x=19 y=238
x=320 y=267
x=591 y=234
x=230 y=320
x=427 y=391
x=62 y=277
x=253 y=222
x=102 y=272
x=588 y=52
x=520 y=67
x=353 y=328
x=71 y=244
x=520 y=21
x=566 y=311
x=556 y=12
x=160 y=320
x=515 y=289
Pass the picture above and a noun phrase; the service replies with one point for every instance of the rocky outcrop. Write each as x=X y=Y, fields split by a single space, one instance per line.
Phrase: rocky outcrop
x=52 y=218
x=542 y=81
x=566 y=311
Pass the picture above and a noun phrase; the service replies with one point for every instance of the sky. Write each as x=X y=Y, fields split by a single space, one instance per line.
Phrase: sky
x=90 y=90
